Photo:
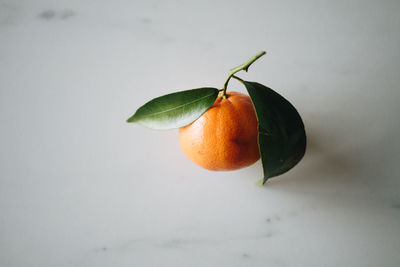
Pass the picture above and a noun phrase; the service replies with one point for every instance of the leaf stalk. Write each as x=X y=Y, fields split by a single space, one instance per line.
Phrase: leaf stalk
x=245 y=66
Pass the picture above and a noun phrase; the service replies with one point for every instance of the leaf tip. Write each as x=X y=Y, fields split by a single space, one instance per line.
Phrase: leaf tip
x=260 y=182
x=131 y=119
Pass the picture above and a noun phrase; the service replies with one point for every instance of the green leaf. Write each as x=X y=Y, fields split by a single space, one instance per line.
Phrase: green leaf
x=175 y=110
x=281 y=134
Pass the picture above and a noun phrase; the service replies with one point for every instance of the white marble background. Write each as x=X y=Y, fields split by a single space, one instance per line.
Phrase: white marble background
x=80 y=187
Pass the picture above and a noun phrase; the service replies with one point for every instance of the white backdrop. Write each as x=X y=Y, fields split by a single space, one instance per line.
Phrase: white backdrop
x=80 y=187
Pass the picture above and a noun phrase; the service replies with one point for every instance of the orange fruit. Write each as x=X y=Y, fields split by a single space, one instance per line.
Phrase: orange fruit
x=225 y=136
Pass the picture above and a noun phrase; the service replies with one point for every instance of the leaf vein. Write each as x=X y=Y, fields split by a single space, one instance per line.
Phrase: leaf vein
x=177 y=107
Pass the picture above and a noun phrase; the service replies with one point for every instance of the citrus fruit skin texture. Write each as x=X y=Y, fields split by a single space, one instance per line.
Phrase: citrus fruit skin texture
x=225 y=136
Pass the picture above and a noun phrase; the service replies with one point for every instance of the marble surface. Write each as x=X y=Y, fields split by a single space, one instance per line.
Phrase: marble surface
x=80 y=187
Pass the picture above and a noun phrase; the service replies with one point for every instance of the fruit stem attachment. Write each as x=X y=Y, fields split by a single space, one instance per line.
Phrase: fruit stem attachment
x=245 y=66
